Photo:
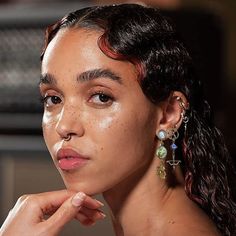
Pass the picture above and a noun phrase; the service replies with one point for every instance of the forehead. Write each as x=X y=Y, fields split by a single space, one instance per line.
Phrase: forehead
x=76 y=51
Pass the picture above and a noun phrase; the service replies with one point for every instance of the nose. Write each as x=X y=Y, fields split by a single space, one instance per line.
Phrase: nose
x=69 y=123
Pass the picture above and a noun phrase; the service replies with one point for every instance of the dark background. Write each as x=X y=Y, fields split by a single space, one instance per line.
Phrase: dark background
x=207 y=28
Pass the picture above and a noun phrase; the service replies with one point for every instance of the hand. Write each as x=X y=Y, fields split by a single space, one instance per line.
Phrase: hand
x=46 y=213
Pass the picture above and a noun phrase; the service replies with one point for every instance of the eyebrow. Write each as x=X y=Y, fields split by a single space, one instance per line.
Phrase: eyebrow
x=47 y=79
x=98 y=73
x=83 y=77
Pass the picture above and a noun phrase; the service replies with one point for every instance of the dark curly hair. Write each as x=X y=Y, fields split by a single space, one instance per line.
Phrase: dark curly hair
x=143 y=36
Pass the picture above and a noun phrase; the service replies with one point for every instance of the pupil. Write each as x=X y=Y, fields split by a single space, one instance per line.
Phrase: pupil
x=55 y=100
x=103 y=98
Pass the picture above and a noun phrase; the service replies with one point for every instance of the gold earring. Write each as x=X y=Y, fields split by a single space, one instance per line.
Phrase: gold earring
x=173 y=146
x=184 y=106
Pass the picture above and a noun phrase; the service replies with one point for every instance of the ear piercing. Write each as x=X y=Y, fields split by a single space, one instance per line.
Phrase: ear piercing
x=161 y=153
x=162 y=135
x=173 y=146
x=184 y=107
x=67 y=138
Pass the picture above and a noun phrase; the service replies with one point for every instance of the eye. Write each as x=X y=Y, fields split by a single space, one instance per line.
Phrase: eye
x=51 y=100
x=101 y=98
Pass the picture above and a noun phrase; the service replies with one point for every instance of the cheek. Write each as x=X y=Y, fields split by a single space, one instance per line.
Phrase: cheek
x=48 y=125
x=123 y=146
x=106 y=123
x=123 y=135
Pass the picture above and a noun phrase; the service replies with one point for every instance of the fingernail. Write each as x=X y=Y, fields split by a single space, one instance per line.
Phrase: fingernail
x=100 y=203
x=78 y=199
x=103 y=215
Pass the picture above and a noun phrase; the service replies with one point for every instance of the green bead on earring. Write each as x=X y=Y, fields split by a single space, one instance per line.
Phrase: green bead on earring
x=161 y=153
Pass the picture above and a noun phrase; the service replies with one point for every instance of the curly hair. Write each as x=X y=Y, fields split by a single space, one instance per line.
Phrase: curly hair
x=143 y=36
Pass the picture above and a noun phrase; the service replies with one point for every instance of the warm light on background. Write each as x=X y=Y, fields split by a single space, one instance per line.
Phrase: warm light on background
x=25 y=166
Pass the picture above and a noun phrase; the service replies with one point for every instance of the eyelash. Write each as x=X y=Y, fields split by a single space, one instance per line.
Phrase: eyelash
x=45 y=99
x=107 y=97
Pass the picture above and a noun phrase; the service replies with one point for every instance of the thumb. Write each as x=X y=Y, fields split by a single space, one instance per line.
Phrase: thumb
x=65 y=213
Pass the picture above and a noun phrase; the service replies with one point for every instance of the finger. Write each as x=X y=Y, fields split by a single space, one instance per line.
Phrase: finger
x=36 y=205
x=55 y=199
x=92 y=214
x=48 y=201
x=92 y=203
x=65 y=213
x=84 y=220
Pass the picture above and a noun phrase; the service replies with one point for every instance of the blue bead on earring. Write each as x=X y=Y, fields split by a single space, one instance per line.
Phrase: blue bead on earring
x=173 y=146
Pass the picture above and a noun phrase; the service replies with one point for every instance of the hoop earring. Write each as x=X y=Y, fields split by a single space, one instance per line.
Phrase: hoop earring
x=161 y=153
x=185 y=121
x=182 y=104
x=184 y=108
x=67 y=138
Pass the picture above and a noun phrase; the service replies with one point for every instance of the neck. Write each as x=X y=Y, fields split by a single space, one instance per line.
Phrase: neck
x=138 y=203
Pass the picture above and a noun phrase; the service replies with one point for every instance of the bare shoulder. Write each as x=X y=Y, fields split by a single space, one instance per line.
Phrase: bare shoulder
x=190 y=227
x=187 y=227
x=186 y=218
x=193 y=231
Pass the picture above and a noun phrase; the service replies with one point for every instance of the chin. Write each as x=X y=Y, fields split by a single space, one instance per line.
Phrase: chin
x=87 y=184
x=85 y=187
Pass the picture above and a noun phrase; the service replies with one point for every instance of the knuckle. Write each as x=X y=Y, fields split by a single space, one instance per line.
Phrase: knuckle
x=28 y=199
x=22 y=198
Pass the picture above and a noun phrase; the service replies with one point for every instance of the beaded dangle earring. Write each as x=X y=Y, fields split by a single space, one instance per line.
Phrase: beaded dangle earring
x=162 y=135
x=161 y=153
x=175 y=134
x=173 y=146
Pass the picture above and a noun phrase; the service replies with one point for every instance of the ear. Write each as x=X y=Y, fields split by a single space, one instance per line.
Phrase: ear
x=173 y=110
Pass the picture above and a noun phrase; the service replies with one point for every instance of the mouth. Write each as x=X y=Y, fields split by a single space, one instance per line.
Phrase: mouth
x=68 y=159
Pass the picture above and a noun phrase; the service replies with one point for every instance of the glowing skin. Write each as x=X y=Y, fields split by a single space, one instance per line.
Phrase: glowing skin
x=115 y=131
x=112 y=125
x=98 y=101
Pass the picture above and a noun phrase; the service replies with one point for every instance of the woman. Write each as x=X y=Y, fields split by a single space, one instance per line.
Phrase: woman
x=125 y=117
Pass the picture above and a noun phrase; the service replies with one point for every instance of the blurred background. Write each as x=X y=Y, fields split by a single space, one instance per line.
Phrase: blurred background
x=207 y=29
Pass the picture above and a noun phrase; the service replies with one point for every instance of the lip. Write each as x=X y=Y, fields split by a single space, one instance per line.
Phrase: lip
x=68 y=159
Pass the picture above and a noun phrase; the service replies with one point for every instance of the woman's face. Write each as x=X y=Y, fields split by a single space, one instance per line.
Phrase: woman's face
x=98 y=101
